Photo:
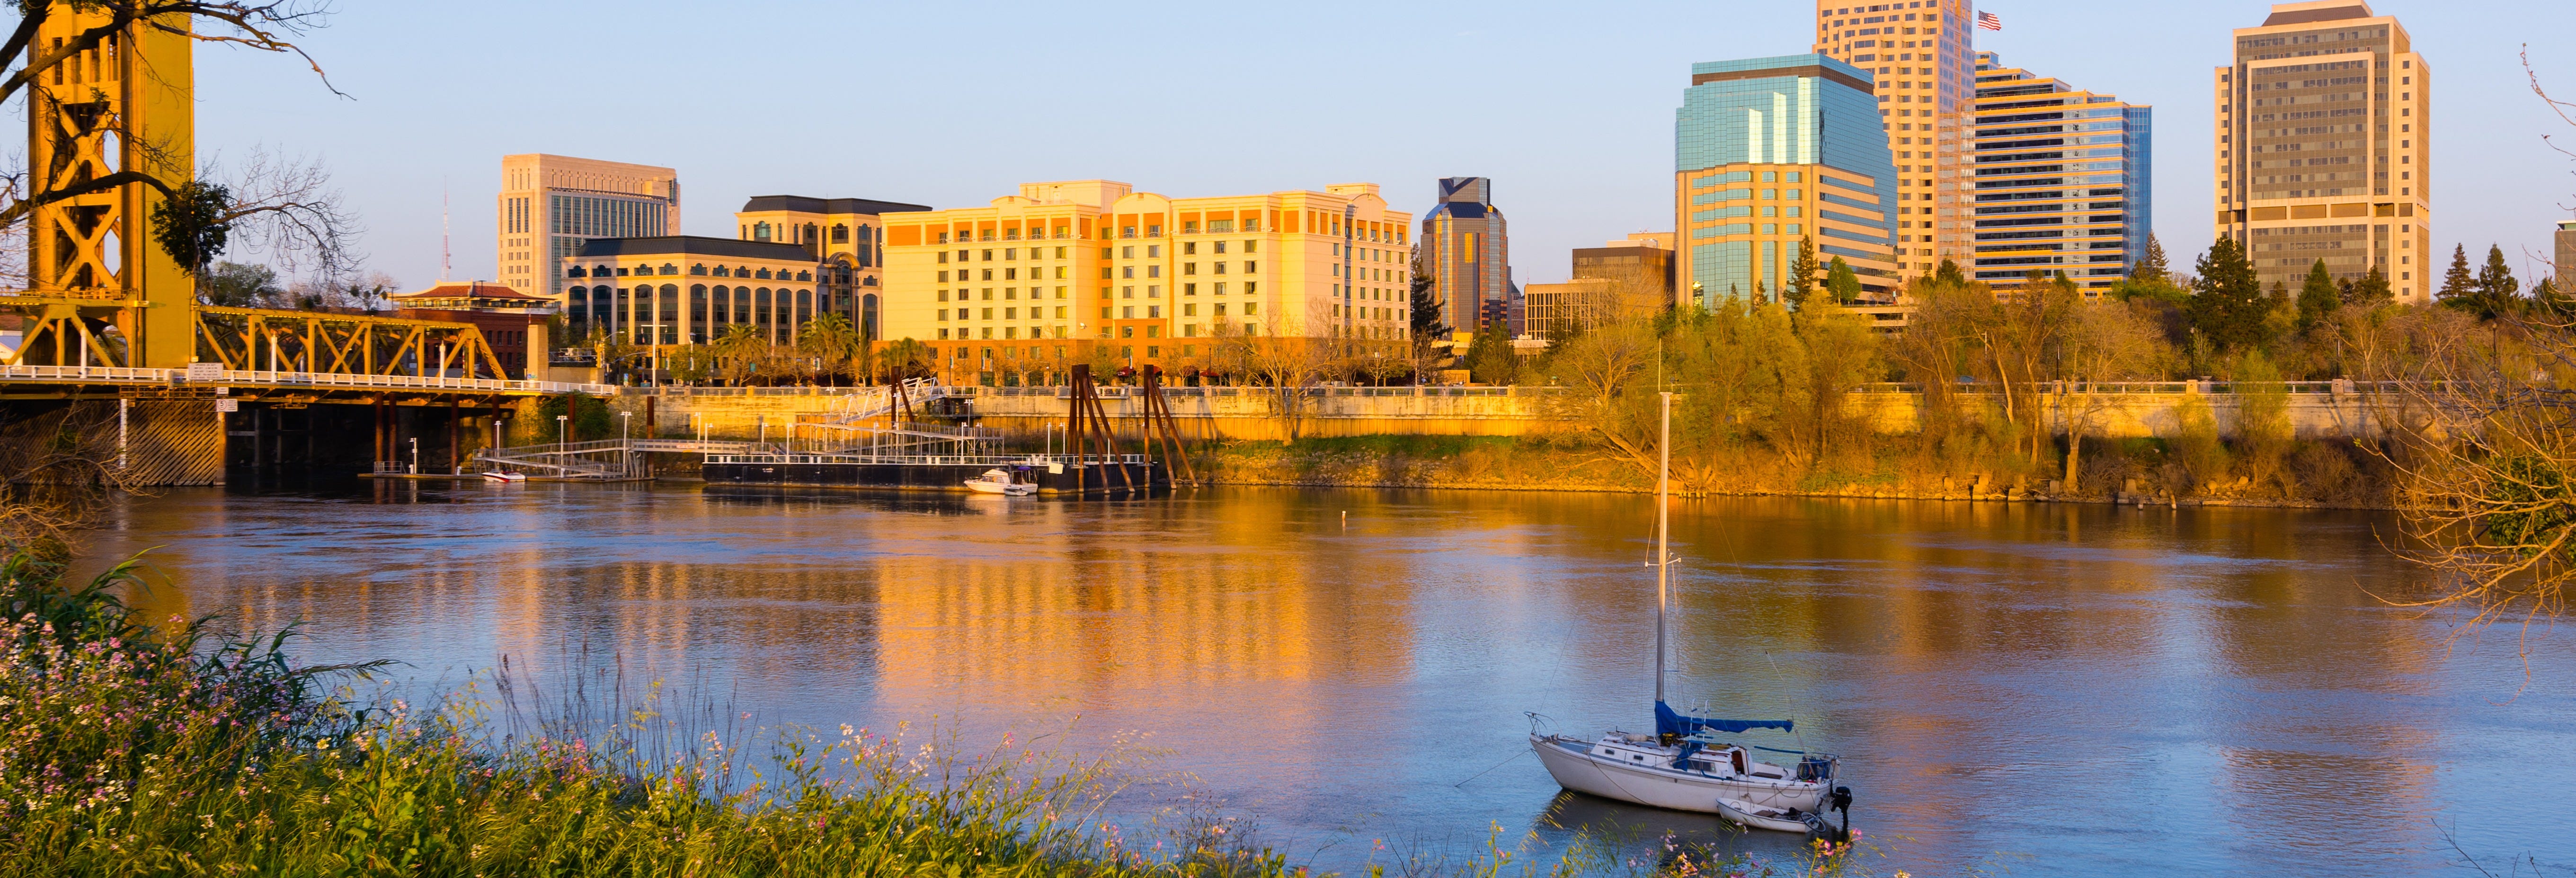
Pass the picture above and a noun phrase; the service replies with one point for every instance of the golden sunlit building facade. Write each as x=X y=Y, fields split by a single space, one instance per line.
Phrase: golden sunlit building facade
x=1924 y=63
x=845 y=235
x=2064 y=180
x=2324 y=148
x=1092 y=271
x=552 y=205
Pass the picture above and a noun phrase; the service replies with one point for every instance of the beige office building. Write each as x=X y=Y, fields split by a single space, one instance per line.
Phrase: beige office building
x=2324 y=148
x=1036 y=280
x=551 y=204
x=1924 y=60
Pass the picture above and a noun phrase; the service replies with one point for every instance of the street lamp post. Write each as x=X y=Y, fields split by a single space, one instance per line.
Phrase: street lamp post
x=626 y=420
x=563 y=434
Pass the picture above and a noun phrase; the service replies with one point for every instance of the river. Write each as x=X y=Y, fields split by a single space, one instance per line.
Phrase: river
x=2032 y=688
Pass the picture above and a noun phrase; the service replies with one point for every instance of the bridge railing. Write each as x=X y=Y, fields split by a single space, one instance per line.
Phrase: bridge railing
x=405 y=382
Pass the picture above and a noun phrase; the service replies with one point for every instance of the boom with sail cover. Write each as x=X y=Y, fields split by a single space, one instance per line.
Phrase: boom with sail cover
x=1668 y=722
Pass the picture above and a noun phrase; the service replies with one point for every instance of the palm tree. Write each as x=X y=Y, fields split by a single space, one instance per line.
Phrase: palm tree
x=831 y=339
x=905 y=359
x=740 y=345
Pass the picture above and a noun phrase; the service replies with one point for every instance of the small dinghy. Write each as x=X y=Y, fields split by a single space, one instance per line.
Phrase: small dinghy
x=998 y=481
x=1771 y=817
x=504 y=476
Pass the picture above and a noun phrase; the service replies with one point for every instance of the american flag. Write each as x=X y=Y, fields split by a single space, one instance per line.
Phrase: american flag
x=1990 y=21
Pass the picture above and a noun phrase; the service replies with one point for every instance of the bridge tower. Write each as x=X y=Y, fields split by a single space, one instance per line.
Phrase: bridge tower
x=124 y=104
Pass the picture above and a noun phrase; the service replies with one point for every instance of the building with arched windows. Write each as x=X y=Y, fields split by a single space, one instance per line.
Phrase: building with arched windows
x=682 y=289
x=843 y=234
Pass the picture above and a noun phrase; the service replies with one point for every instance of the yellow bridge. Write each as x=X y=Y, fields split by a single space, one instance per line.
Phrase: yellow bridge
x=111 y=131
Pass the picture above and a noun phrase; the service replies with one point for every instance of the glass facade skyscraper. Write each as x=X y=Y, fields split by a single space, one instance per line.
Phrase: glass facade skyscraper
x=1466 y=249
x=1769 y=152
x=2064 y=179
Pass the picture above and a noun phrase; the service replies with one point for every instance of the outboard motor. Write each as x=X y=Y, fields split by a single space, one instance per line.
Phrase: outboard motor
x=1842 y=802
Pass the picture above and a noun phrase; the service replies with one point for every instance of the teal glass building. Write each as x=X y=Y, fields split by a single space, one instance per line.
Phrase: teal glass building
x=1768 y=152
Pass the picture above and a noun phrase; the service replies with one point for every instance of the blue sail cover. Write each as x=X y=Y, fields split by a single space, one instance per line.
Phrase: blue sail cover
x=1669 y=723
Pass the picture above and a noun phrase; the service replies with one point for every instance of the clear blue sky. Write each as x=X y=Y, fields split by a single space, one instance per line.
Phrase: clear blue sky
x=1568 y=108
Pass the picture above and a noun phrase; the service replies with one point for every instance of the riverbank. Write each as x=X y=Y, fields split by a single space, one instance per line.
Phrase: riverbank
x=2309 y=474
x=134 y=749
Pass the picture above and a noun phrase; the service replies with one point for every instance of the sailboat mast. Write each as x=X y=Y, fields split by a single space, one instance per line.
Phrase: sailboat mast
x=1663 y=532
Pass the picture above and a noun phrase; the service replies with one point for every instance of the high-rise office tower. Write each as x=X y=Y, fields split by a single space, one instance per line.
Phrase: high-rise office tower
x=1467 y=251
x=550 y=204
x=1769 y=153
x=2064 y=179
x=2324 y=148
x=2566 y=254
x=1925 y=66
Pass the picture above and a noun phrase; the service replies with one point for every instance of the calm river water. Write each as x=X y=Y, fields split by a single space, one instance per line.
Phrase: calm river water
x=2035 y=688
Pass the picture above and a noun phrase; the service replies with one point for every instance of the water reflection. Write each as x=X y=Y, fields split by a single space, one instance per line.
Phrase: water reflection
x=2107 y=691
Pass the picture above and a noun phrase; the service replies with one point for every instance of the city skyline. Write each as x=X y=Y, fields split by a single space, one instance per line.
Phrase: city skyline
x=1587 y=165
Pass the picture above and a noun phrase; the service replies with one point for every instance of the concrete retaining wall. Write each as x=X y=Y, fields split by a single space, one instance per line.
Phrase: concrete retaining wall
x=1252 y=414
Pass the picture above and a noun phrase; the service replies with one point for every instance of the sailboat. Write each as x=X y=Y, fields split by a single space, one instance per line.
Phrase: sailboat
x=1686 y=765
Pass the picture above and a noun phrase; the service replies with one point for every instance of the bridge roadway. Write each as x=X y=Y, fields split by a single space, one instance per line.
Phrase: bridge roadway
x=62 y=381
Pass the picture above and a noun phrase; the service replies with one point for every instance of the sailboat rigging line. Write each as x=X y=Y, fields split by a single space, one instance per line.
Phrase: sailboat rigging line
x=1506 y=761
x=1778 y=675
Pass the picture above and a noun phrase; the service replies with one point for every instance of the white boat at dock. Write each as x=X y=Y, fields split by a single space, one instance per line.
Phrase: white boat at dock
x=998 y=481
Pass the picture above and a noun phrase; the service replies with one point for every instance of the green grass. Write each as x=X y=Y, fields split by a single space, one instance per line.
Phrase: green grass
x=128 y=749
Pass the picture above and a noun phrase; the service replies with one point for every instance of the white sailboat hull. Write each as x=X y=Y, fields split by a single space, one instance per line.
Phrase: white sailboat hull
x=1575 y=768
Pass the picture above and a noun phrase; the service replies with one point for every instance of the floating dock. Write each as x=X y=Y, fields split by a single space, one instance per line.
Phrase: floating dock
x=1052 y=473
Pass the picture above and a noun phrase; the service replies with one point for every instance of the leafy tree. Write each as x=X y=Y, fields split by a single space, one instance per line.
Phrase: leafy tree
x=1802 y=275
x=2152 y=268
x=2228 y=307
x=1427 y=327
x=1949 y=273
x=2372 y=290
x=2318 y=296
x=2495 y=279
x=1839 y=279
x=832 y=339
x=193 y=224
x=2490 y=293
x=591 y=419
x=2553 y=303
x=235 y=285
x=1491 y=360
x=2457 y=283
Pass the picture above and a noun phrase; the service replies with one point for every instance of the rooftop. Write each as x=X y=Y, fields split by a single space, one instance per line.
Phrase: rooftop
x=803 y=204
x=2320 y=10
x=473 y=289
x=692 y=245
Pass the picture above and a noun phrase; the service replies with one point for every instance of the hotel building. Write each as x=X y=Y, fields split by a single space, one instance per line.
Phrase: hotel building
x=1038 y=280
x=2324 y=148
x=2063 y=179
x=845 y=235
x=1466 y=248
x=1925 y=67
x=1770 y=152
x=551 y=204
